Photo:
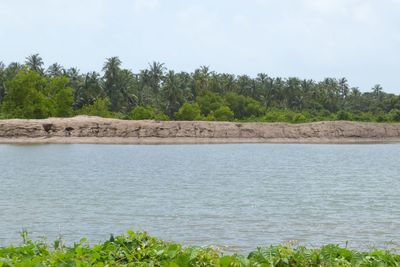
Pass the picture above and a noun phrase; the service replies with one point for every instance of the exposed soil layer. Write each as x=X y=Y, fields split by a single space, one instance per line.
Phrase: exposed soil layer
x=84 y=129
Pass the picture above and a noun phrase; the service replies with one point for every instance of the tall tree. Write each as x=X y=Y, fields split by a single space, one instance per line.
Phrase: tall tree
x=118 y=86
x=200 y=80
x=90 y=90
x=155 y=78
x=227 y=82
x=265 y=86
x=33 y=96
x=55 y=70
x=2 y=80
x=172 y=94
x=112 y=86
x=35 y=62
x=144 y=92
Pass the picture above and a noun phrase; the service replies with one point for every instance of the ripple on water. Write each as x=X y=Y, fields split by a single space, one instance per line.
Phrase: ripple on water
x=234 y=196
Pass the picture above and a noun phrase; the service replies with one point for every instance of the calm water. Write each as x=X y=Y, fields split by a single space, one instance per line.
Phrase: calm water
x=240 y=196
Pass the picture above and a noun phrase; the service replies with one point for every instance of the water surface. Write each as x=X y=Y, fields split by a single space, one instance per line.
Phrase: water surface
x=240 y=196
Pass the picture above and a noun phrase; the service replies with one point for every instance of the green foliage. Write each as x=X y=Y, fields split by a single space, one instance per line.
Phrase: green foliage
x=32 y=96
x=98 y=108
x=161 y=117
x=143 y=113
x=61 y=96
x=25 y=98
x=140 y=249
x=147 y=113
x=31 y=90
x=394 y=115
x=343 y=116
x=189 y=112
x=209 y=102
x=223 y=113
x=243 y=106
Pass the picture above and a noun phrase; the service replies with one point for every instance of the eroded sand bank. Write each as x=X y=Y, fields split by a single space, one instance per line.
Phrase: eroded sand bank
x=95 y=130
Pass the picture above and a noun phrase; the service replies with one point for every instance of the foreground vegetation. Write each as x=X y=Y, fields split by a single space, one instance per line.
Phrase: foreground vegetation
x=30 y=90
x=140 y=249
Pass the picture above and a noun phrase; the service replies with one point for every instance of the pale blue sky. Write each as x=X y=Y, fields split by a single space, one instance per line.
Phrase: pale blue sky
x=357 y=39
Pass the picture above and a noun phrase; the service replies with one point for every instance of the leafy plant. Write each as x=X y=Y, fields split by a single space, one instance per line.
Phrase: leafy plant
x=140 y=249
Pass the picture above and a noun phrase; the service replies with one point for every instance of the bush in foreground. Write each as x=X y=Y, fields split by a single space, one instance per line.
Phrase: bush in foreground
x=140 y=249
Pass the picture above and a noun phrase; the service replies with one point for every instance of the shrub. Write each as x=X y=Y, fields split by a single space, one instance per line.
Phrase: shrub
x=343 y=116
x=140 y=249
x=223 y=113
x=142 y=113
x=189 y=112
x=209 y=102
x=242 y=106
x=32 y=96
x=98 y=108
x=394 y=115
x=161 y=117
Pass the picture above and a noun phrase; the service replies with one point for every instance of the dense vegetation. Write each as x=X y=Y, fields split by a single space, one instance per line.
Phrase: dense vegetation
x=140 y=249
x=30 y=91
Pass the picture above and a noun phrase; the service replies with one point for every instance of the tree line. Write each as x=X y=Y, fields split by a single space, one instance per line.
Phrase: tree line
x=30 y=90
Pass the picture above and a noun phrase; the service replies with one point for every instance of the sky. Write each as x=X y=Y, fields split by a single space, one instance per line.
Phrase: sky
x=313 y=39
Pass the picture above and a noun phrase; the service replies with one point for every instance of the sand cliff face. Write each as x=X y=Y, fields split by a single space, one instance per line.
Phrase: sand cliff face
x=83 y=129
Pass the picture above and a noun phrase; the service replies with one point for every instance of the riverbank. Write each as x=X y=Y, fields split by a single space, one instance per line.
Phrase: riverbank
x=140 y=249
x=95 y=130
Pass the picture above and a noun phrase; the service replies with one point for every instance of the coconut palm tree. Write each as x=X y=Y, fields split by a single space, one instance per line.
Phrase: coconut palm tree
x=111 y=78
x=156 y=75
x=172 y=94
x=55 y=70
x=200 y=80
x=34 y=62
x=2 y=80
x=90 y=90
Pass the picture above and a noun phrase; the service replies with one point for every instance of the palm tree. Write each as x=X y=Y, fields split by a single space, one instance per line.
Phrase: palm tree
x=90 y=90
x=75 y=78
x=214 y=84
x=55 y=70
x=200 y=80
x=344 y=88
x=144 y=94
x=156 y=74
x=2 y=80
x=34 y=62
x=155 y=78
x=245 y=86
x=310 y=94
x=293 y=95
x=265 y=84
x=112 y=70
x=377 y=90
x=227 y=82
x=127 y=90
x=12 y=70
x=278 y=93
x=172 y=94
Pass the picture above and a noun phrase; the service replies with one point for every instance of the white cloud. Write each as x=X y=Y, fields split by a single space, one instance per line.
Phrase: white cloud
x=327 y=6
x=146 y=5
x=365 y=13
x=306 y=38
x=196 y=19
x=48 y=14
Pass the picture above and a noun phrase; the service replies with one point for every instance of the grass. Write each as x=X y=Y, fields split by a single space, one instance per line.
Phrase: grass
x=140 y=249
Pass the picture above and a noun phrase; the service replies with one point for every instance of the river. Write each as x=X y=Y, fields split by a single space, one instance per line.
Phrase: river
x=234 y=196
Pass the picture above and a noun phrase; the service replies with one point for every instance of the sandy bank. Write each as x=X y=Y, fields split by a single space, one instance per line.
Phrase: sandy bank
x=95 y=130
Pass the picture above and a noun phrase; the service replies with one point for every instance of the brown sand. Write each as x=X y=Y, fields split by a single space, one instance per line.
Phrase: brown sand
x=95 y=130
